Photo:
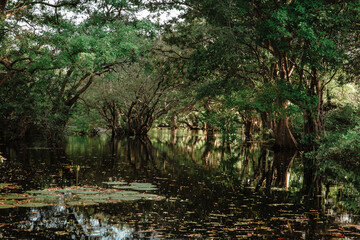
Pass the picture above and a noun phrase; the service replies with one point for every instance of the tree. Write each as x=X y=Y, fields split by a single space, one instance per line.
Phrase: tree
x=61 y=58
x=131 y=99
x=295 y=46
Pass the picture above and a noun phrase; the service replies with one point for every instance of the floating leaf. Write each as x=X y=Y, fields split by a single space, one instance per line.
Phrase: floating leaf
x=126 y=197
x=84 y=192
x=33 y=204
x=123 y=187
x=95 y=197
x=13 y=196
x=115 y=183
x=8 y=202
x=47 y=197
x=139 y=187
x=126 y=193
x=5 y=206
x=88 y=195
x=83 y=203
x=33 y=192
x=74 y=203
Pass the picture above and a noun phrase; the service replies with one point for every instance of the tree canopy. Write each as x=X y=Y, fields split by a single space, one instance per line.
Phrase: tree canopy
x=272 y=68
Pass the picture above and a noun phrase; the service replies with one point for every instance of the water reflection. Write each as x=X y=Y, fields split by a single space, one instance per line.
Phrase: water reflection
x=72 y=223
x=213 y=189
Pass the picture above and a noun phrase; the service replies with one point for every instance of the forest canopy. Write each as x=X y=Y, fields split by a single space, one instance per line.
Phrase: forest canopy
x=286 y=72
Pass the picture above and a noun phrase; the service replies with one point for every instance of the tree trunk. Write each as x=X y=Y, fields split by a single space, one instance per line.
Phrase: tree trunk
x=284 y=138
x=138 y=127
x=3 y=4
x=173 y=121
x=282 y=164
x=249 y=124
x=314 y=122
x=267 y=124
x=312 y=180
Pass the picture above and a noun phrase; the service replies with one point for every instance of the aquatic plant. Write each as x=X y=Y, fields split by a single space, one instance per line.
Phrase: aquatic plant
x=71 y=196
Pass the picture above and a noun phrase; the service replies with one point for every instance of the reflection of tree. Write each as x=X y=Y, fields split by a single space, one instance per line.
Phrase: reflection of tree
x=42 y=165
x=313 y=184
x=277 y=172
x=77 y=221
x=139 y=152
x=194 y=144
x=282 y=164
x=312 y=181
x=208 y=151
x=254 y=165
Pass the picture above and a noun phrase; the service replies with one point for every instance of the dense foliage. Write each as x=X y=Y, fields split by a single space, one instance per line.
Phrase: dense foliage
x=282 y=71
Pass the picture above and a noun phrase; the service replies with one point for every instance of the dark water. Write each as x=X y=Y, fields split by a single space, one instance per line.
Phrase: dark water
x=211 y=190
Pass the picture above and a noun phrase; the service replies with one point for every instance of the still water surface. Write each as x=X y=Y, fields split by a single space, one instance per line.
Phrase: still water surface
x=205 y=189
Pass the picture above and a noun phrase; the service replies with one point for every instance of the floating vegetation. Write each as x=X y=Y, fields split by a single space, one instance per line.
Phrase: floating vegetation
x=33 y=204
x=139 y=187
x=13 y=196
x=115 y=183
x=78 y=196
x=45 y=197
x=5 y=206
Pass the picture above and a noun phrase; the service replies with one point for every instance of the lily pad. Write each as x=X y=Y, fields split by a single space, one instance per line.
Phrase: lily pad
x=7 y=202
x=88 y=195
x=115 y=183
x=126 y=198
x=94 y=197
x=47 y=197
x=81 y=203
x=33 y=204
x=139 y=187
x=125 y=193
x=36 y=192
x=123 y=187
x=84 y=192
x=13 y=196
x=65 y=190
x=6 y=206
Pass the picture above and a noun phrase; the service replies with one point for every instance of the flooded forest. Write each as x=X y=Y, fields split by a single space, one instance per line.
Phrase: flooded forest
x=185 y=119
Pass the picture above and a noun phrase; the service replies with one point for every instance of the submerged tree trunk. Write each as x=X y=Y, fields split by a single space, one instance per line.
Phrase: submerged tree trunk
x=267 y=125
x=312 y=183
x=314 y=122
x=249 y=128
x=282 y=164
